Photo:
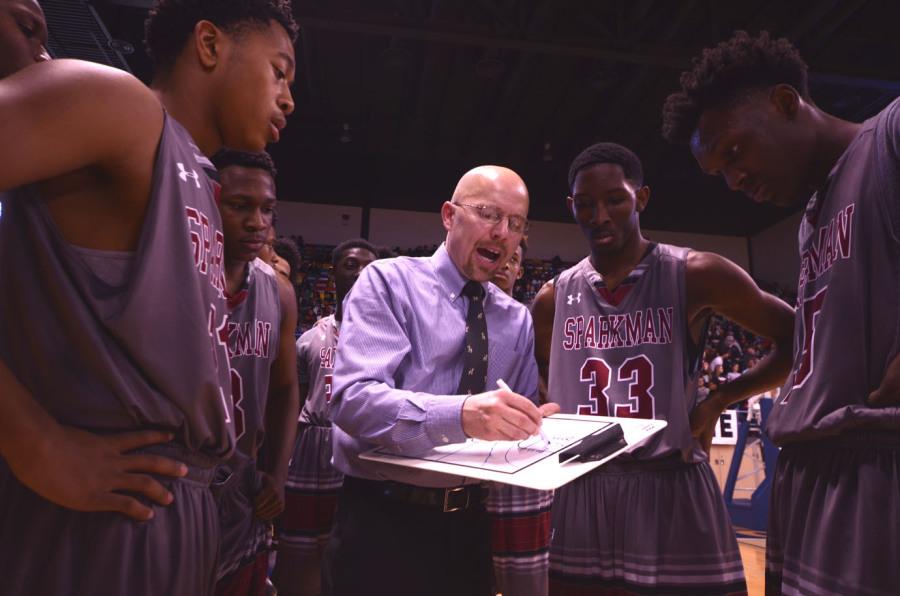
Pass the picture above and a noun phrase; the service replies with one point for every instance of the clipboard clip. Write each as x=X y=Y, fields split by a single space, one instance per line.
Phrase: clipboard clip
x=596 y=446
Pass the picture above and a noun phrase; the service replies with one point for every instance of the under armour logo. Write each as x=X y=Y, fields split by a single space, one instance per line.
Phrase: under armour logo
x=576 y=298
x=185 y=174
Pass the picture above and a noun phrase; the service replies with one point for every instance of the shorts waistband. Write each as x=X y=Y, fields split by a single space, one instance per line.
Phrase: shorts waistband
x=625 y=466
x=873 y=438
x=201 y=466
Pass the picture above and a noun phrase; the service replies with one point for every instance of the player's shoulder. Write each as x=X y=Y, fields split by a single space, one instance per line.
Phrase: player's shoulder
x=319 y=329
x=110 y=90
x=672 y=252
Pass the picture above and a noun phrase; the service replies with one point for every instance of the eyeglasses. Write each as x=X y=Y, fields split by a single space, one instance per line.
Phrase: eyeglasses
x=492 y=216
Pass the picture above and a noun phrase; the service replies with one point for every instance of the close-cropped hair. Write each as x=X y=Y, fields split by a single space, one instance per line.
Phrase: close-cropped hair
x=612 y=153
x=728 y=72
x=346 y=245
x=171 y=22
x=232 y=157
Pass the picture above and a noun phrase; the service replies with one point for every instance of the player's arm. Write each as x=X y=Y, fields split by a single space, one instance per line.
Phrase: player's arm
x=888 y=391
x=61 y=116
x=716 y=283
x=542 y=311
x=281 y=409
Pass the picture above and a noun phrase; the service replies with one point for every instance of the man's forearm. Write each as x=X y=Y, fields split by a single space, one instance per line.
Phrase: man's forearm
x=281 y=431
x=24 y=423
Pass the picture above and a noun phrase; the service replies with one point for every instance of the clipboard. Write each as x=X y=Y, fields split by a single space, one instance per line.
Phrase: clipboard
x=579 y=444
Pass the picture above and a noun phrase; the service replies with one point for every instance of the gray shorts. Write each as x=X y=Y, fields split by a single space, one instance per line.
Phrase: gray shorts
x=834 y=519
x=50 y=550
x=657 y=526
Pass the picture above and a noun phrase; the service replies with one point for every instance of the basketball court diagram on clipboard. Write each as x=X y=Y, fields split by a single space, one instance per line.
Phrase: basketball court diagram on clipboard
x=531 y=462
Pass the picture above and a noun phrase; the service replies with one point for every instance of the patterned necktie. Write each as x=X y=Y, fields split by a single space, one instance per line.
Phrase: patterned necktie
x=475 y=356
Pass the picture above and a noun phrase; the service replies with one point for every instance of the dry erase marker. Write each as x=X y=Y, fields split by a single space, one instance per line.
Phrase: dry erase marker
x=502 y=385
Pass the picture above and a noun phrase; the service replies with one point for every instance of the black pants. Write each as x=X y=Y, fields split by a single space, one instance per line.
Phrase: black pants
x=378 y=546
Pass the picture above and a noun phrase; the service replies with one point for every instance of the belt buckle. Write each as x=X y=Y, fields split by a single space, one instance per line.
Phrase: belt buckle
x=447 y=493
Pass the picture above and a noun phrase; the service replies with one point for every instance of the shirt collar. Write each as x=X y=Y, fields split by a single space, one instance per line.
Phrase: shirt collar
x=448 y=274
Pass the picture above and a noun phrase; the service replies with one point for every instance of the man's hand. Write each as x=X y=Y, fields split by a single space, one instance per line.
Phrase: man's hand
x=502 y=415
x=704 y=419
x=269 y=502
x=87 y=472
x=888 y=393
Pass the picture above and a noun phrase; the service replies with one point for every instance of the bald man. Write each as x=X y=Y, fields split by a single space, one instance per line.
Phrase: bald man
x=423 y=342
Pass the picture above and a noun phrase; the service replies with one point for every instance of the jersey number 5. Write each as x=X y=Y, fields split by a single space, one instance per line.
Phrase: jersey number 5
x=636 y=371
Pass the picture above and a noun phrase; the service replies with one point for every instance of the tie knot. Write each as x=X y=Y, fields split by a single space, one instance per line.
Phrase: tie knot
x=473 y=289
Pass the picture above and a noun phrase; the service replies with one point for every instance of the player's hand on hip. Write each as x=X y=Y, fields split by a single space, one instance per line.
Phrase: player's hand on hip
x=500 y=415
x=87 y=472
x=269 y=501
x=888 y=393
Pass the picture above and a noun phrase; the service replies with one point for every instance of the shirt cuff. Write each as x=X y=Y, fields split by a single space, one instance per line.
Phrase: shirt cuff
x=443 y=419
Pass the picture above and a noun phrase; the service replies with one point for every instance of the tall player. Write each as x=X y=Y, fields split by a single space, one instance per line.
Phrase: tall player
x=313 y=482
x=520 y=517
x=746 y=111
x=118 y=210
x=261 y=322
x=622 y=332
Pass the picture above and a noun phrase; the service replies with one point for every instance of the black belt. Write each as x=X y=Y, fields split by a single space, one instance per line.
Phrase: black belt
x=454 y=498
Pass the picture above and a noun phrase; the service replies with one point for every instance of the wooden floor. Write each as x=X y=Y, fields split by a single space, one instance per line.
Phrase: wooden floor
x=754 y=568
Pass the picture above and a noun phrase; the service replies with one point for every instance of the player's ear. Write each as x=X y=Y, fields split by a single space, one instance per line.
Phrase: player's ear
x=786 y=100
x=570 y=203
x=641 y=198
x=207 y=38
x=521 y=273
x=447 y=215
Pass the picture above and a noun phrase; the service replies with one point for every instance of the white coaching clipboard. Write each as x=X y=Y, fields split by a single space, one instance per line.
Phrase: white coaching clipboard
x=524 y=463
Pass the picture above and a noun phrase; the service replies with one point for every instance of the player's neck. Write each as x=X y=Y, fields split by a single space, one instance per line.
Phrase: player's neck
x=833 y=136
x=189 y=104
x=615 y=267
x=339 y=309
x=235 y=273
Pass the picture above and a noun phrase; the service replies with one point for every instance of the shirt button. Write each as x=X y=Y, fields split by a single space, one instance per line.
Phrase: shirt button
x=445 y=439
x=452 y=296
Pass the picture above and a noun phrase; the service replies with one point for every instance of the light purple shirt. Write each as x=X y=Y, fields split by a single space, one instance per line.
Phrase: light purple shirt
x=401 y=358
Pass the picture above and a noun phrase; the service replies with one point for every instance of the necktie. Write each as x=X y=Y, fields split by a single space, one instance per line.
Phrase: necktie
x=475 y=354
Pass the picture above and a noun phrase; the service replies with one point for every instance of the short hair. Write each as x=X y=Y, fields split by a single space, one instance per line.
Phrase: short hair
x=346 y=245
x=286 y=248
x=608 y=153
x=728 y=72
x=232 y=157
x=171 y=22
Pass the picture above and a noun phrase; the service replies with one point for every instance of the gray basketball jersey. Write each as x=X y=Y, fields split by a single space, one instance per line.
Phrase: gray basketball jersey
x=254 y=323
x=316 y=351
x=115 y=341
x=847 y=323
x=627 y=353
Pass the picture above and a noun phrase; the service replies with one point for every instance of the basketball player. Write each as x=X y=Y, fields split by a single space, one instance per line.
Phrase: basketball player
x=622 y=332
x=507 y=276
x=109 y=342
x=313 y=482
x=746 y=111
x=520 y=517
x=23 y=35
x=261 y=322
